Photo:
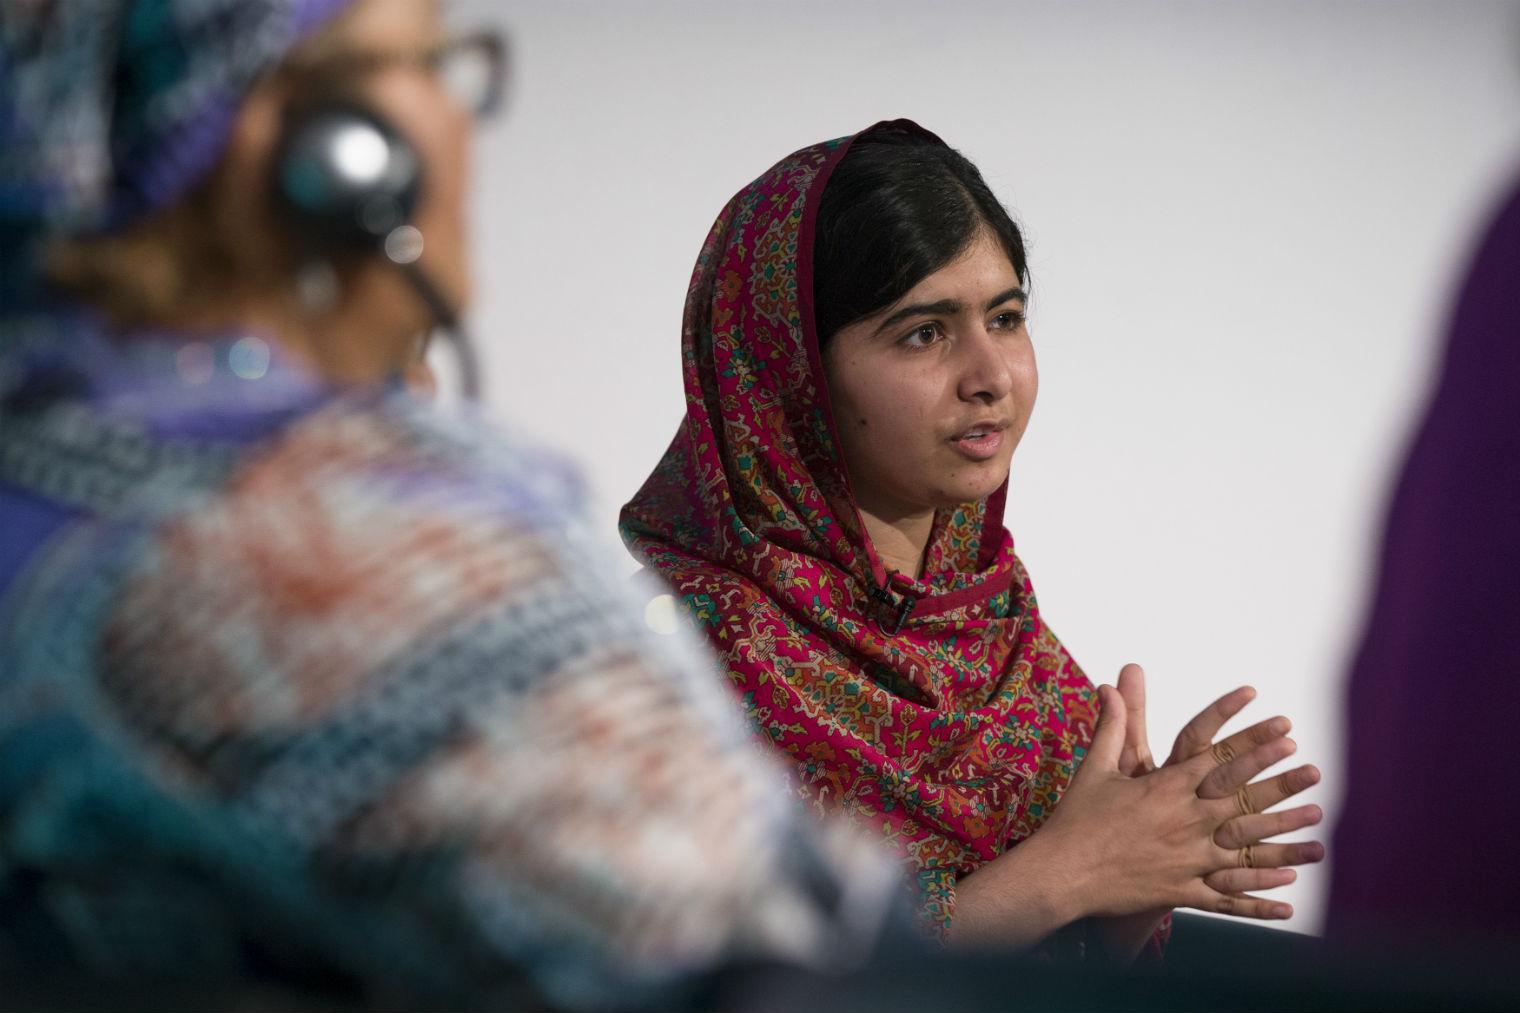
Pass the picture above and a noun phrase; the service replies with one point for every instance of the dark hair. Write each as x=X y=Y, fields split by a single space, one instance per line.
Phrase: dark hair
x=898 y=207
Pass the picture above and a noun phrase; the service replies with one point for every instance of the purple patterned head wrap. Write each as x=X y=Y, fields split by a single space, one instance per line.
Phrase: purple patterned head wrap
x=111 y=110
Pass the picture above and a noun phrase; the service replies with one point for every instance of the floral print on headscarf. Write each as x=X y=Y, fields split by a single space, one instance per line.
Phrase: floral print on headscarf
x=939 y=711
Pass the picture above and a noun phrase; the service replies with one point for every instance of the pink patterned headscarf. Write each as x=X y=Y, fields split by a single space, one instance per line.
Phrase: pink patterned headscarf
x=941 y=711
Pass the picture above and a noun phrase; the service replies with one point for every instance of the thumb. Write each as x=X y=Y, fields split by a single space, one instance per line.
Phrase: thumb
x=1136 y=758
x=1132 y=687
x=1108 y=739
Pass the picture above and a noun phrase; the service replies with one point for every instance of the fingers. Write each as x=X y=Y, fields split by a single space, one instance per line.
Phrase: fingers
x=1266 y=857
x=1234 y=881
x=1136 y=757
x=1244 y=830
x=1231 y=777
x=1108 y=739
x=1243 y=742
x=1200 y=732
x=1262 y=795
x=1241 y=905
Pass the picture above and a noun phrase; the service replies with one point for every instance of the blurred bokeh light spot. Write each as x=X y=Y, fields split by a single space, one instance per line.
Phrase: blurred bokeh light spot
x=361 y=153
x=249 y=357
x=660 y=614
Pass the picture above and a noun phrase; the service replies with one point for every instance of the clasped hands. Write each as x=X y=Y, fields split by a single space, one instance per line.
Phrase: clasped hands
x=1212 y=856
x=1129 y=841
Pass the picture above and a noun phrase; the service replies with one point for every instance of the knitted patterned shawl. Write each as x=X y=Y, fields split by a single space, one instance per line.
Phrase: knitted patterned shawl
x=940 y=711
x=329 y=675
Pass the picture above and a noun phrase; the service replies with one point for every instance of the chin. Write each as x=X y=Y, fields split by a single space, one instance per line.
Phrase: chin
x=982 y=494
x=971 y=492
x=996 y=480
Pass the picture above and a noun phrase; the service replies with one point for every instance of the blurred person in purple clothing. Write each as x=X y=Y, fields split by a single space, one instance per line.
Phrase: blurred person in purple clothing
x=1426 y=846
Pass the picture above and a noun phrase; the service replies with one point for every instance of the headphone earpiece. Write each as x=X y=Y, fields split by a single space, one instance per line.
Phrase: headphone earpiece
x=345 y=178
x=347 y=182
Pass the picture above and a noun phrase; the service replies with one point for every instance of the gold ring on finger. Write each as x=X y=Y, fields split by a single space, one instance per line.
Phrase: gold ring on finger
x=1243 y=801
x=1222 y=753
x=1246 y=858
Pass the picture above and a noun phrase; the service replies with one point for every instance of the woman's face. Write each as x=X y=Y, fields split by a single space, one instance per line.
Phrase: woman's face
x=373 y=330
x=932 y=393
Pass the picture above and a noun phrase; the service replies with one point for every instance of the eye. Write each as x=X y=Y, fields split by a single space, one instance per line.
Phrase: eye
x=922 y=336
x=1009 y=320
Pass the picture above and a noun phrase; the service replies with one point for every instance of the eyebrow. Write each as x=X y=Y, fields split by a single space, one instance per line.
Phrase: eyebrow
x=947 y=307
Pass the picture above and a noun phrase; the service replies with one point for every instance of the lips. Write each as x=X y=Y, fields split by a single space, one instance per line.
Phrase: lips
x=981 y=440
x=981 y=429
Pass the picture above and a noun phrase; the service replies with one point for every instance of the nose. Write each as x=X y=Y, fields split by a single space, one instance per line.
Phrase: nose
x=985 y=374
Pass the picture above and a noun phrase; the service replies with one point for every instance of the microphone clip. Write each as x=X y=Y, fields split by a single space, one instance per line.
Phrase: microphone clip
x=898 y=610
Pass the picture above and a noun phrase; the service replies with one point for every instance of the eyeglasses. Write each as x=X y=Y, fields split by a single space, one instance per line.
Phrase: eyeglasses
x=472 y=67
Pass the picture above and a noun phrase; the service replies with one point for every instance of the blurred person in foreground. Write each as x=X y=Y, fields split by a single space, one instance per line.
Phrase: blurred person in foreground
x=300 y=677
x=1429 y=823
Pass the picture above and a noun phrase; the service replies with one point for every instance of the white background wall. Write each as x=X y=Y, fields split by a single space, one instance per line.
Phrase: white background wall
x=1245 y=221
